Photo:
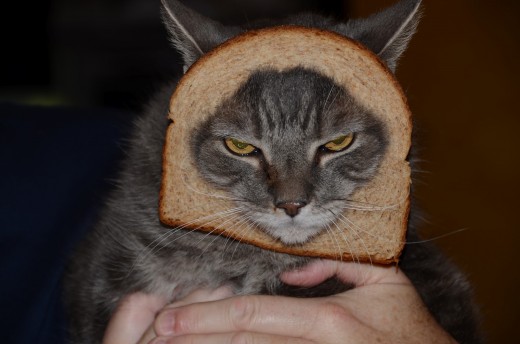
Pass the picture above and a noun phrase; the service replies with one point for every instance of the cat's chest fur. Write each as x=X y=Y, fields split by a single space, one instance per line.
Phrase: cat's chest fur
x=199 y=260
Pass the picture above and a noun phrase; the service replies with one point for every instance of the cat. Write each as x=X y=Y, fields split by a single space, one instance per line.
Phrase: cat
x=264 y=165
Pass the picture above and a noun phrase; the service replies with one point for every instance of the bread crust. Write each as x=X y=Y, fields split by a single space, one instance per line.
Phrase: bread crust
x=370 y=82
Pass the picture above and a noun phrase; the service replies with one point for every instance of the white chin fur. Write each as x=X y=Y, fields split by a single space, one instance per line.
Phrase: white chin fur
x=292 y=230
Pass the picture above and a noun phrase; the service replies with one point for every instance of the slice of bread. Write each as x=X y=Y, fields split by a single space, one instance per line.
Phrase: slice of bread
x=378 y=219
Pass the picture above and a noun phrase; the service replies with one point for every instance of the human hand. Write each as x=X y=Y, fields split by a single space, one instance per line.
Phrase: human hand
x=132 y=321
x=384 y=307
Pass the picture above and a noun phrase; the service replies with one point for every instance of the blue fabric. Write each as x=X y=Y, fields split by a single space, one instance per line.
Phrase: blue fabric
x=55 y=165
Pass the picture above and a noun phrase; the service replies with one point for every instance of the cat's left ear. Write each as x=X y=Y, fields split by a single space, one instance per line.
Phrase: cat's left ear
x=388 y=32
x=191 y=33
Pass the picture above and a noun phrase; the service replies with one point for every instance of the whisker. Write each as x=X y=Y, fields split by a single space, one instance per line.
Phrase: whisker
x=358 y=205
x=221 y=215
x=405 y=242
x=238 y=232
x=437 y=237
x=349 y=247
x=355 y=232
x=216 y=236
x=354 y=256
x=330 y=232
x=229 y=239
x=326 y=112
x=354 y=207
x=327 y=99
x=245 y=219
x=359 y=229
x=241 y=237
x=147 y=251
x=328 y=228
x=199 y=227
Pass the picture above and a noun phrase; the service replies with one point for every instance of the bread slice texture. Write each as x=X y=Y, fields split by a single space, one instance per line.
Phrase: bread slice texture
x=376 y=225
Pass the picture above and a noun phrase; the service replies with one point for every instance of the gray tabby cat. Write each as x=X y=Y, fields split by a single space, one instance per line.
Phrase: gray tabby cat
x=256 y=147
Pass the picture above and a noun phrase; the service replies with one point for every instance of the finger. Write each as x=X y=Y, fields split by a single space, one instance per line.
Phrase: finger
x=276 y=315
x=148 y=336
x=132 y=317
x=201 y=295
x=227 y=338
x=349 y=272
x=204 y=295
x=311 y=274
x=361 y=274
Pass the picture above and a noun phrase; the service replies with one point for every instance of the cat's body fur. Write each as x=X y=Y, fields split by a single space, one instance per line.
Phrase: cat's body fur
x=124 y=253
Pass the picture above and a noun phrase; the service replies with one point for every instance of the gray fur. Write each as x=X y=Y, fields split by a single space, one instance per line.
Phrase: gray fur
x=386 y=33
x=288 y=116
x=191 y=33
x=290 y=165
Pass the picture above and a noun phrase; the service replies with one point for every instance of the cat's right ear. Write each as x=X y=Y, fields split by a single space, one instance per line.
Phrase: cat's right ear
x=388 y=32
x=191 y=33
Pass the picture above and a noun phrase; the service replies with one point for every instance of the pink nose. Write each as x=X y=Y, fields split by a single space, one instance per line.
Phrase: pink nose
x=291 y=208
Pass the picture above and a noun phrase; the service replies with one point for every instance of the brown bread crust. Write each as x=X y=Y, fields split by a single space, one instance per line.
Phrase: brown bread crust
x=376 y=236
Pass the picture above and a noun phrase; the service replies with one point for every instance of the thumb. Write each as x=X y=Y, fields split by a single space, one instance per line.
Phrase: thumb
x=132 y=317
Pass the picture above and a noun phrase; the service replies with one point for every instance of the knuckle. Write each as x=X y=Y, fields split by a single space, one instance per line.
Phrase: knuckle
x=334 y=316
x=243 y=312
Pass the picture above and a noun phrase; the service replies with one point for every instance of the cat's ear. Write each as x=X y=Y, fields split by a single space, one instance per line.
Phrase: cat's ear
x=388 y=32
x=191 y=33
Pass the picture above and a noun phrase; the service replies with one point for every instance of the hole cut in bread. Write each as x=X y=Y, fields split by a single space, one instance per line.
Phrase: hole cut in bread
x=374 y=229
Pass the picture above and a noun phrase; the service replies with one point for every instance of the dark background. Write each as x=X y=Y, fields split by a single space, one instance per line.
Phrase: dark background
x=460 y=73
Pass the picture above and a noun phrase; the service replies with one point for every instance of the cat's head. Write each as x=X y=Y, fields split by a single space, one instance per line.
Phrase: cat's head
x=291 y=147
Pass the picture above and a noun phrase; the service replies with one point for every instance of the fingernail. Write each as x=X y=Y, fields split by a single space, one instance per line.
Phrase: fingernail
x=166 y=323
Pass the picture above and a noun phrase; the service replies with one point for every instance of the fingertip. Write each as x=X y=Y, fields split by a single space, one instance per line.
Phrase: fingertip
x=354 y=273
x=311 y=274
x=165 y=322
x=133 y=315
x=222 y=293
x=361 y=274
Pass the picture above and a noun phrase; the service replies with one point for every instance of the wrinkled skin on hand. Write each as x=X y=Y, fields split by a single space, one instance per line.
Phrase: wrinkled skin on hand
x=383 y=308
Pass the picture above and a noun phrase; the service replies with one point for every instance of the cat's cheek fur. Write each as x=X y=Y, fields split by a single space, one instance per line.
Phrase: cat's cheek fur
x=217 y=167
x=243 y=181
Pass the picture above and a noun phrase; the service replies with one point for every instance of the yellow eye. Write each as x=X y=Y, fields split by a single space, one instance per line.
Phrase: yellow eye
x=340 y=143
x=239 y=147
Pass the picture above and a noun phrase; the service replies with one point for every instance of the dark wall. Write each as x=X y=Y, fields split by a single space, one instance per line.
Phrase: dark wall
x=461 y=76
x=107 y=52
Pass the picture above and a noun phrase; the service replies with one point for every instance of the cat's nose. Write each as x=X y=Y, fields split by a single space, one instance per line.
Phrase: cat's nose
x=291 y=208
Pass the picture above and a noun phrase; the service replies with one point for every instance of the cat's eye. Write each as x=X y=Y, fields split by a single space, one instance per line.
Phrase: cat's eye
x=239 y=147
x=340 y=143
